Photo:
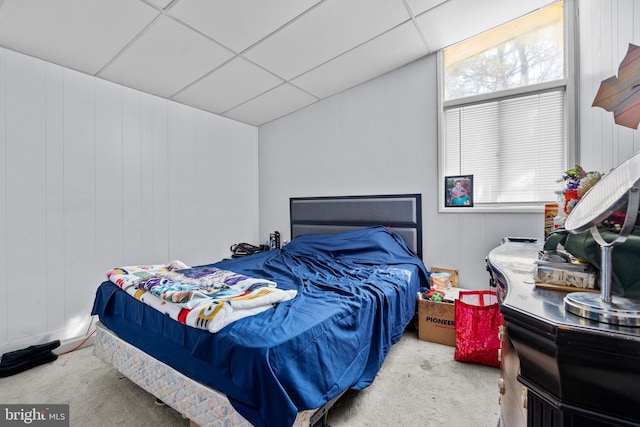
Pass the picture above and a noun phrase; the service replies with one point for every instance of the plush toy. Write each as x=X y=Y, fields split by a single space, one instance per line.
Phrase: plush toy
x=435 y=295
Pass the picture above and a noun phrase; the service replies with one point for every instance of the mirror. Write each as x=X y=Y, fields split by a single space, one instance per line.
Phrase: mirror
x=620 y=186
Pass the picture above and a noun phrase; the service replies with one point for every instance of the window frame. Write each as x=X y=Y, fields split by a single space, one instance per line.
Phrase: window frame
x=569 y=83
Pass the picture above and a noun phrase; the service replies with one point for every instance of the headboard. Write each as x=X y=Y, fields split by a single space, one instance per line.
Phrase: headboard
x=324 y=215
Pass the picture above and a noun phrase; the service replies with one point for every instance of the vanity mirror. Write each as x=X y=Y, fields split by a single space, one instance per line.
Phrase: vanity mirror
x=620 y=186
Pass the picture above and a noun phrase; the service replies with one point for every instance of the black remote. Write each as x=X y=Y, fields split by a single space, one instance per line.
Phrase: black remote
x=523 y=239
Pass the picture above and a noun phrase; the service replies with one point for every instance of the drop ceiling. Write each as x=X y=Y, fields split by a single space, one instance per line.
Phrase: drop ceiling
x=250 y=60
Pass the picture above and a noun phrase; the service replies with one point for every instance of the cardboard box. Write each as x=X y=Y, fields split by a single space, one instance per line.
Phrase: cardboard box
x=437 y=322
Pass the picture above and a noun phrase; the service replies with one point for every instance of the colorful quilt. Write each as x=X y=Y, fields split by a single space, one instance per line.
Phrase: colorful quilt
x=204 y=297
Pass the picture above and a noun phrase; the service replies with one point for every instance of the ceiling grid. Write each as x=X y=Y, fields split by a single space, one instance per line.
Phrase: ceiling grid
x=249 y=60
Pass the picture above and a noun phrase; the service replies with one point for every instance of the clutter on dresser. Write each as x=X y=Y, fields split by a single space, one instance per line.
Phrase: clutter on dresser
x=561 y=271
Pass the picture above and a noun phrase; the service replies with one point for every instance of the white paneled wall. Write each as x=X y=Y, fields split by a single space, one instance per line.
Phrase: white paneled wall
x=94 y=175
x=606 y=29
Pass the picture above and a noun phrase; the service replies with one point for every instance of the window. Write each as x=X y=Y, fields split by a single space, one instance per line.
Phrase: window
x=504 y=110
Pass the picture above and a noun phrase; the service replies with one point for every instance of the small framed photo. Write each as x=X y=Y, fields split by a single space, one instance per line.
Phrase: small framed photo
x=458 y=191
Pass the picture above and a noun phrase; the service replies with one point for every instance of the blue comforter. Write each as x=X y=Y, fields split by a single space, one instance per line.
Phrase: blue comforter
x=356 y=294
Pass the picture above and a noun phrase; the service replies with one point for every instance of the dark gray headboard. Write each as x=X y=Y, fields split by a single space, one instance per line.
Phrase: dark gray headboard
x=323 y=215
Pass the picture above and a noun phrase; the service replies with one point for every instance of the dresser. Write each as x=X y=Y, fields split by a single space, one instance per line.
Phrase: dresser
x=559 y=369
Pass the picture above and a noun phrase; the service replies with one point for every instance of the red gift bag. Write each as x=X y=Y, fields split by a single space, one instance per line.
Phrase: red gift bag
x=477 y=321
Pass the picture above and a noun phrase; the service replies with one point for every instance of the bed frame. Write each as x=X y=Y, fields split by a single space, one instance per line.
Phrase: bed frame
x=204 y=406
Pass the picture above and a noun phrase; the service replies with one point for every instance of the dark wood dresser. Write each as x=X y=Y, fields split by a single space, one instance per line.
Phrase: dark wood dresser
x=559 y=369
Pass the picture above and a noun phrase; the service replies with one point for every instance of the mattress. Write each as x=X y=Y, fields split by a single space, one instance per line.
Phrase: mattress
x=356 y=294
x=195 y=401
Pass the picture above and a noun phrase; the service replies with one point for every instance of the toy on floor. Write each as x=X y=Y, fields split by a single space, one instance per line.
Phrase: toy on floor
x=434 y=295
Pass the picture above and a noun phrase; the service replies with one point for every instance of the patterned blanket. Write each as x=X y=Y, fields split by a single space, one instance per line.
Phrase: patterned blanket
x=204 y=297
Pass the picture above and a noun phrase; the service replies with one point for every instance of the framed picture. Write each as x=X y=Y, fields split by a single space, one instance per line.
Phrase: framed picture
x=458 y=191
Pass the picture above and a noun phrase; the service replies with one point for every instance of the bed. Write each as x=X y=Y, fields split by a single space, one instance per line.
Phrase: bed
x=355 y=274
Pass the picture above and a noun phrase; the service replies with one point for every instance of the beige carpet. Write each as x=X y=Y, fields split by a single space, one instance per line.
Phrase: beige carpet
x=418 y=385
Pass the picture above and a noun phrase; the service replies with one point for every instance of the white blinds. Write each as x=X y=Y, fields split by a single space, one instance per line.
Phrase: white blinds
x=513 y=147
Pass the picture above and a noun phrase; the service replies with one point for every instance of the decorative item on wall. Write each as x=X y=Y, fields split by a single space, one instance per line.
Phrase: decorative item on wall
x=619 y=187
x=621 y=94
x=458 y=191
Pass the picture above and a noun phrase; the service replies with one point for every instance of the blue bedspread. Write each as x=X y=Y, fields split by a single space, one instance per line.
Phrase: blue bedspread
x=356 y=294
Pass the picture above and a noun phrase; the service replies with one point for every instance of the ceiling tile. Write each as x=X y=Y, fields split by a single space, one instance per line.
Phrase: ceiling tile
x=328 y=30
x=160 y=4
x=439 y=32
x=381 y=55
x=166 y=58
x=78 y=34
x=231 y=57
x=421 y=6
x=230 y=85
x=271 y=105
x=238 y=24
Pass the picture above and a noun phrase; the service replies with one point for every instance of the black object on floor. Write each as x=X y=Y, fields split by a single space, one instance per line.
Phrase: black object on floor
x=18 y=361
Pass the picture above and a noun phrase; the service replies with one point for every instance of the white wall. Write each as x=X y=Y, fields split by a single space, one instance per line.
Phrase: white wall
x=379 y=138
x=606 y=29
x=94 y=175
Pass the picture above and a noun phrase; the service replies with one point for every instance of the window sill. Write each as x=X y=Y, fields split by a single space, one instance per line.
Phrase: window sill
x=536 y=209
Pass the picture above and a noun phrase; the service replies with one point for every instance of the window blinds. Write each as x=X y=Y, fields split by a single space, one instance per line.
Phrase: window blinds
x=514 y=147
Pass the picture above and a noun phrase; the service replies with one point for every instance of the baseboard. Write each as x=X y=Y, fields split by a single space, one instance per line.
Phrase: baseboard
x=75 y=344
x=66 y=344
